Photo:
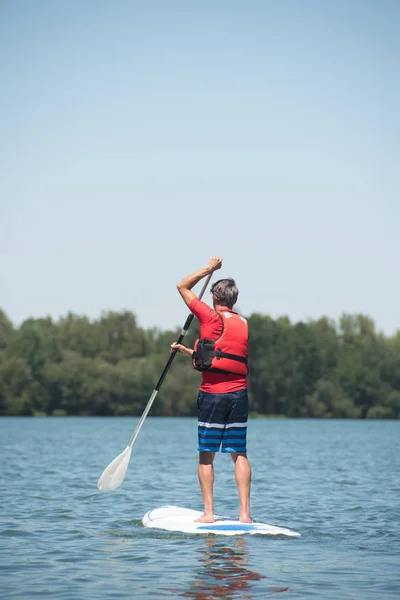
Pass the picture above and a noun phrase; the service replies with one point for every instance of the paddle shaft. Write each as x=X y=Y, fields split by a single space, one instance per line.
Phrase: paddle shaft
x=166 y=368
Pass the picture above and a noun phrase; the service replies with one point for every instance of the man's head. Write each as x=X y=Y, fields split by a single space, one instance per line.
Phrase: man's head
x=225 y=292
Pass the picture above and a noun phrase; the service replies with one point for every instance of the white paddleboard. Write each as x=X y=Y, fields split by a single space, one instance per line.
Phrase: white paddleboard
x=175 y=518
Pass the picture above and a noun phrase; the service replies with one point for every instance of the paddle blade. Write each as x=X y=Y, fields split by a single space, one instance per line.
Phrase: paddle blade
x=114 y=474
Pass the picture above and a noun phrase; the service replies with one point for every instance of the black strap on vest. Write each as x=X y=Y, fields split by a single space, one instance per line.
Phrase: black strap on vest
x=220 y=354
x=205 y=352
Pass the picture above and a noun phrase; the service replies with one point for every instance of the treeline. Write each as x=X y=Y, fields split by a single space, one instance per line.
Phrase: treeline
x=110 y=366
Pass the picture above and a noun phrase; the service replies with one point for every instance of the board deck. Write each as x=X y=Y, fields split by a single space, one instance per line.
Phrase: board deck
x=176 y=518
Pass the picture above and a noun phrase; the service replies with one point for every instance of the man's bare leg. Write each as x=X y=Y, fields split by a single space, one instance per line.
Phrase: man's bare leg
x=206 y=479
x=243 y=482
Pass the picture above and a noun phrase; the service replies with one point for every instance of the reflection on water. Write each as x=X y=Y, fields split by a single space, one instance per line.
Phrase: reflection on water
x=223 y=572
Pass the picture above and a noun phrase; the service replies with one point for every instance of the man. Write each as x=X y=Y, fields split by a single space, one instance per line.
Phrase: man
x=221 y=355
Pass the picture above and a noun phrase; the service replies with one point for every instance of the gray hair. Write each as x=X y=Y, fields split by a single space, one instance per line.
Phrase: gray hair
x=225 y=292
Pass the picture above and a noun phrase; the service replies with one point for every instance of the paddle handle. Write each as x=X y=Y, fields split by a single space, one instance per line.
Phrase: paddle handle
x=167 y=366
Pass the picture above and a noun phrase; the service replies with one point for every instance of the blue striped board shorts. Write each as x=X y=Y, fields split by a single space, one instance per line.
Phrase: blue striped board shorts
x=222 y=421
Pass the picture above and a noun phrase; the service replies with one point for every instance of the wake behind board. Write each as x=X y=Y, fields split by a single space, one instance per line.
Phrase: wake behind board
x=175 y=518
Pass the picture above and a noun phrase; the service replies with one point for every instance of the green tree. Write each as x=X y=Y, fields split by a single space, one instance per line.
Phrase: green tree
x=6 y=330
x=16 y=386
x=110 y=366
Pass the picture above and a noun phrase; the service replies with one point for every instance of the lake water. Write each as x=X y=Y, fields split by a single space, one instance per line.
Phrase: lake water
x=336 y=482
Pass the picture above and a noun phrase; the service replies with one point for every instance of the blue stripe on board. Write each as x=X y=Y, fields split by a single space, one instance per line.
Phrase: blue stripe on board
x=234 y=527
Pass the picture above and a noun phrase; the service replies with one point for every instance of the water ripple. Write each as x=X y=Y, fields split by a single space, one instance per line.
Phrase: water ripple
x=337 y=482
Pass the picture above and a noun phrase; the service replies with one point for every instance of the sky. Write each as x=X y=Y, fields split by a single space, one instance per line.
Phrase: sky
x=139 y=138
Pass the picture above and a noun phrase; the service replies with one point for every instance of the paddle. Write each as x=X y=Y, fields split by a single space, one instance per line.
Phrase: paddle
x=114 y=474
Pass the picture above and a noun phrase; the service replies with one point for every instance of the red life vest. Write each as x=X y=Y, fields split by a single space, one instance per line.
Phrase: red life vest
x=229 y=352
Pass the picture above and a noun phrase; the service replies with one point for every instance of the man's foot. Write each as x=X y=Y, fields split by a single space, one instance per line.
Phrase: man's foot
x=205 y=518
x=245 y=519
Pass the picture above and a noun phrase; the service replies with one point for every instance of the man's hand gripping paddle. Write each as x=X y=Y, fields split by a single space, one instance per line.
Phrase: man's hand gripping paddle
x=114 y=474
